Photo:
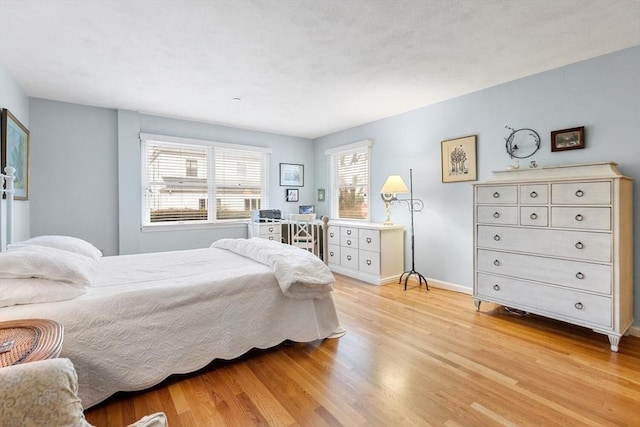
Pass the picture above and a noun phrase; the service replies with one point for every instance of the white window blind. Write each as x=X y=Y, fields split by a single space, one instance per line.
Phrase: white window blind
x=179 y=181
x=350 y=176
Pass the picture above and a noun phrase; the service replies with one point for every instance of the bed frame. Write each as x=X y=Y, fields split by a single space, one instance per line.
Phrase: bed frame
x=6 y=220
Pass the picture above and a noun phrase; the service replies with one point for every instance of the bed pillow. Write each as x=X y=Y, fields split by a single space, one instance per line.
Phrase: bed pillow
x=47 y=263
x=32 y=291
x=67 y=243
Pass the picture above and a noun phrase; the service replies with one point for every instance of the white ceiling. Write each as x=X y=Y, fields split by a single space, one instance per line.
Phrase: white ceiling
x=305 y=68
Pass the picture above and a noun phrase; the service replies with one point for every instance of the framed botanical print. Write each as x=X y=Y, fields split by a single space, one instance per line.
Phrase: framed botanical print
x=459 y=159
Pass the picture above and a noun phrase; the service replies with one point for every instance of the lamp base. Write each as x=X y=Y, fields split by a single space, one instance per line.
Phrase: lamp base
x=408 y=274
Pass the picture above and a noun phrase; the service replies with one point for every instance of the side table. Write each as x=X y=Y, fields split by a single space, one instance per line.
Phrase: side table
x=34 y=339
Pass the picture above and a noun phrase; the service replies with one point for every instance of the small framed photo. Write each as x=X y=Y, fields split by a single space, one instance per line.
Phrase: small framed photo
x=291 y=175
x=567 y=139
x=291 y=195
x=459 y=159
x=14 y=151
x=321 y=194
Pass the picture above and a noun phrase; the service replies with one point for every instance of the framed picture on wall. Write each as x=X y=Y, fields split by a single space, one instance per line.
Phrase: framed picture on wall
x=567 y=139
x=459 y=159
x=291 y=195
x=14 y=151
x=291 y=175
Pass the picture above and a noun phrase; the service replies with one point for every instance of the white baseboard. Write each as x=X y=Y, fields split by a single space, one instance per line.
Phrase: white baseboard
x=634 y=331
x=450 y=286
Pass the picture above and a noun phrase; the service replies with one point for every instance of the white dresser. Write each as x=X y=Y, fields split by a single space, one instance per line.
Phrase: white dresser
x=557 y=242
x=271 y=230
x=370 y=252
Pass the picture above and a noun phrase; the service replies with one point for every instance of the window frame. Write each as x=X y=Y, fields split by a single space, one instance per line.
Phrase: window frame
x=331 y=153
x=210 y=146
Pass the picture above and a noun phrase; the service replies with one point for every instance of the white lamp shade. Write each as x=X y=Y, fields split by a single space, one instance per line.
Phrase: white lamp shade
x=393 y=185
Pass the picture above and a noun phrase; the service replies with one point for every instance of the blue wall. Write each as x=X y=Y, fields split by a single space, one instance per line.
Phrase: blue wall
x=602 y=94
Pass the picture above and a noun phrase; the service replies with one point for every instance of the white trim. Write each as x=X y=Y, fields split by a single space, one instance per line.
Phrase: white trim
x=634 y=331
x=449 y=286
x=348 y=147
x=181 y=226
x=193 y=141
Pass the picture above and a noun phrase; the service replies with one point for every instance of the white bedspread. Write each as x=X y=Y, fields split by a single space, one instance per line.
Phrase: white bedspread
x=153 y=315
x=300 y=274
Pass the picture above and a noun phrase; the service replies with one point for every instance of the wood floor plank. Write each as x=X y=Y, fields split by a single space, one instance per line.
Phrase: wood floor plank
x=415 y=357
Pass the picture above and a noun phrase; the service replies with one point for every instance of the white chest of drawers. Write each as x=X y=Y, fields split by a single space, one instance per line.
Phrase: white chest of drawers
x=271 y=230
x=370 y=252
x=557 y=242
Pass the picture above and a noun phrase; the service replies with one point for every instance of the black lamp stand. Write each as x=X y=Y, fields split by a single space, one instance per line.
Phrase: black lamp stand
x=415 y=205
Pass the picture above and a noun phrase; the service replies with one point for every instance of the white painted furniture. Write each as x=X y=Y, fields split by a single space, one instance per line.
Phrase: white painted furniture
x=557 y=242
x=370 y=252
x=271 y=229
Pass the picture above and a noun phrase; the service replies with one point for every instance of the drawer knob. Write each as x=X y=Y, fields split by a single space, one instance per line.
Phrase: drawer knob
x=330 y=234
x=348 y=257
x=496 y=214
x=533 y=216
x=368 y=239
x=579 y=217
x=496 y=237
x=270 y=229
x=496 y=262
x=496 y=195
x=579 y=275
x=579 y=193
x=348 y=232
x=579 y=245
x=578 y=305
x=496 y=287
x=270 y=237
x=331 y=253
x=368 y=262
x=533 y=194
x=348 y=242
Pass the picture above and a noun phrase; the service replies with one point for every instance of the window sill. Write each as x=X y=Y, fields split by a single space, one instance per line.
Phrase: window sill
x=199 y=226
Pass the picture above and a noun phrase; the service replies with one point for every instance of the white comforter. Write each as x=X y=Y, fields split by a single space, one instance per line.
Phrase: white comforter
x=153 y=315
x=300 y=274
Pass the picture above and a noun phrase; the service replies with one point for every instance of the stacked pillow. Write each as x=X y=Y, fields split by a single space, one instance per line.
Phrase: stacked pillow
x=46 y=269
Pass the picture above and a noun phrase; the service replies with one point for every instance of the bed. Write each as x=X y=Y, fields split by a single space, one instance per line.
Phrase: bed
x=144 y=317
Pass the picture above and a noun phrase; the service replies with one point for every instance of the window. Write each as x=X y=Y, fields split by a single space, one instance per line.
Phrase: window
x=180 y=176
x=349 y=174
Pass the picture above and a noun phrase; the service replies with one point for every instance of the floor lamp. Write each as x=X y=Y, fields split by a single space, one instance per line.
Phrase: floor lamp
x=393 y=186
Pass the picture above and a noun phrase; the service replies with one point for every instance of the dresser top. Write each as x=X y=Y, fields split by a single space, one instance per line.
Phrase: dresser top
x=584 y=170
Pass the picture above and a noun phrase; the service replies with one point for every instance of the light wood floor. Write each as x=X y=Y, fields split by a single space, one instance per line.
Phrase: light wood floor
x=409 y=358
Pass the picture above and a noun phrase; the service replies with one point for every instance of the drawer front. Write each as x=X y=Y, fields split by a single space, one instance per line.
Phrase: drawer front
x=349 y=242
x=563 y=303
x=574 y=274
x=507 y=215
x=369 y=261
x=503 y=194
x=588 y=246
x=334 y=235
x=334 y=254
x=349 y=257
x=349 y=232
x=583 y=218
x=369 y=239
x=270 y=230
x=581 y=193
x=536 y=216
x=534 y=194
